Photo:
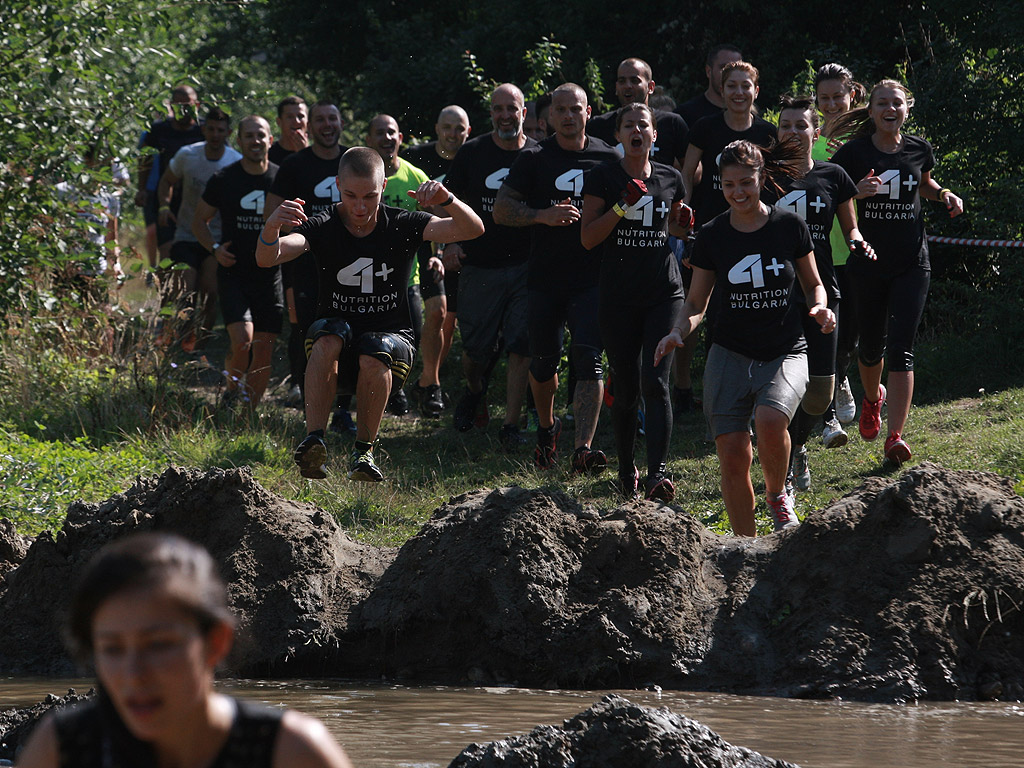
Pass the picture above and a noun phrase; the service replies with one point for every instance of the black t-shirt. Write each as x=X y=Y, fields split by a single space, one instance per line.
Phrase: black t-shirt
x=166 y=139
x=276 y=154
x=239 y=196
x=477 y=172
x=425 y=157
x=547 y=175
x=891 y=220
x=305 y=175
x=673 y=133
x=755 y=278
x=711 y=135
x=815 y=198
x=637 y=266
x=365 y=279
x=696 y=108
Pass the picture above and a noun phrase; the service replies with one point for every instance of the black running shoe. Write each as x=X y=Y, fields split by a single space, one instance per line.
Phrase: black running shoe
x=429 y=400
x=547 y=445
x=629 y=483
x=465 y=411
x=310 y=455
x=398 y=403
x=342 y=422
x=363 y=468
x=510 y=438
x=588 y=461
x=660 y=488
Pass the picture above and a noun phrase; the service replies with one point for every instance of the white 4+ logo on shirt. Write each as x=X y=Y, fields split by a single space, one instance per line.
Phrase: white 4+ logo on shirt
x=750 y=269
x=360 y=272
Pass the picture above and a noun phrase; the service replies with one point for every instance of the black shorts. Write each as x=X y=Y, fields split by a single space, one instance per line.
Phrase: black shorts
x=248 y=296
x=395 y=350
x=193 y=254
x=549 y=314
x=429 y=287
x=451 y=291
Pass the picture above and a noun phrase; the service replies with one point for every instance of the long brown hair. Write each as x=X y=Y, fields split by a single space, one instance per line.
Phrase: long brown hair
x=857 y=123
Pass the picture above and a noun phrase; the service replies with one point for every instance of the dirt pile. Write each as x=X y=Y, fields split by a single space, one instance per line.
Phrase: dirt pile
x=902 y=590
x=614 y=733
x=17 y=724
x=13 y=546
x=292 y=574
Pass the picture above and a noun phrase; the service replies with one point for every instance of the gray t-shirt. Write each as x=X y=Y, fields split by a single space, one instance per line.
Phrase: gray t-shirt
x=191 y=165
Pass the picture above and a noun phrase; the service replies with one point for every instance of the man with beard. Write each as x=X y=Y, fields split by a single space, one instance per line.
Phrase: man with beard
x=492 y=283
x=634 y=83
x=544 y=191
x=307 y=175
x=292 y=121
x=251 y=299
x=435 y=158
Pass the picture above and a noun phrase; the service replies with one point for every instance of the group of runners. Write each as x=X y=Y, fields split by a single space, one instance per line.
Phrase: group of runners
x=626 y=229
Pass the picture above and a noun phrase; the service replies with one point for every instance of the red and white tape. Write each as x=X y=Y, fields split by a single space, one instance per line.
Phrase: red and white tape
x=973 y=241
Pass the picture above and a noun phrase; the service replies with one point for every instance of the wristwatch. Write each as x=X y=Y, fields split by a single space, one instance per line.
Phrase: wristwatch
x=214 y=249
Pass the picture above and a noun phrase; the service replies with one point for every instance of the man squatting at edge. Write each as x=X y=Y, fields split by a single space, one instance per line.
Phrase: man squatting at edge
x=365 y=252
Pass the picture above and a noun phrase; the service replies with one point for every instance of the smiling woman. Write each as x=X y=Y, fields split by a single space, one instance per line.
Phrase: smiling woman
x=151 y=615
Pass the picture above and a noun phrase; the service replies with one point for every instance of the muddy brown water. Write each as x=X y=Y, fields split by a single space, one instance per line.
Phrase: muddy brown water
x=403 y=727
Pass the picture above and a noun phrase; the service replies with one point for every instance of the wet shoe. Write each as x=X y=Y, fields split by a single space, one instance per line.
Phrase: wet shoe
x=801 y=469
x=588 y=461
x=398 y=403
x=660 y=488
x=429 y=400
x=510 y=438
x=342 y=422
x=362 y=468
x=465 y=410
x=310 y=455
x=896 y=449
x=846 y=406
x=871 y=416
x=781 y=508
x=833 y=435
x=629 y=484
x=546 y=452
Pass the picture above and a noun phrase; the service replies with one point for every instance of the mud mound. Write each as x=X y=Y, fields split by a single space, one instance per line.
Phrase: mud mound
x=532 y=587
x=17 y=724
x=615 y=733
x=292 y=574
x=13 y=546
x=902 y=590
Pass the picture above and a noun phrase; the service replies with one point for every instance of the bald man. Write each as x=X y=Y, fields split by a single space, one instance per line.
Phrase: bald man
x=492 y=282
x=435 y=157
x=365 y=252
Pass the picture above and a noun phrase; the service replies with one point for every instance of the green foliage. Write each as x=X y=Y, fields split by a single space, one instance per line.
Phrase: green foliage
x=544 y=63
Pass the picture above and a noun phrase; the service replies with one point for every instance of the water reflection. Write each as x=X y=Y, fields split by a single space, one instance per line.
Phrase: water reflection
x=420 y=727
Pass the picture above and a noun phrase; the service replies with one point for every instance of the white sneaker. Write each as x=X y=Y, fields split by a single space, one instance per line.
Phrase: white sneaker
x=846 y=406
x=833 y=435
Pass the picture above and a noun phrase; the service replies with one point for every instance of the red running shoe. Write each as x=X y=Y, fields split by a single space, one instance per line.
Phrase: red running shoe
x=871 y=416
x=896 y=449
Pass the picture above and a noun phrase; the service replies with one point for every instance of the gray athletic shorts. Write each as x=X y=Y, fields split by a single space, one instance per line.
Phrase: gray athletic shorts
x=493 y=302
x=734 y=385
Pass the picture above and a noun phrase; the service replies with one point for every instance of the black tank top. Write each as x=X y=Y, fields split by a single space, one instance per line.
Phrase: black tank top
x=91 y=735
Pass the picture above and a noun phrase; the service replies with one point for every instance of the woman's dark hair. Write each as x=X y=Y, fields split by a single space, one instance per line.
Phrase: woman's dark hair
x=802 y=103
x=770 y=163
x=857 y=123
x=142 y=561
x=622 y=111
x=838 y=72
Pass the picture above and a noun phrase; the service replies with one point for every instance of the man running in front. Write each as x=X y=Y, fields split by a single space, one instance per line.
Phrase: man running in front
x=362 y=339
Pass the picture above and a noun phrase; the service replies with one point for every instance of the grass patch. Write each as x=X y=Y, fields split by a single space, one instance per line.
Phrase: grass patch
x=82 y=427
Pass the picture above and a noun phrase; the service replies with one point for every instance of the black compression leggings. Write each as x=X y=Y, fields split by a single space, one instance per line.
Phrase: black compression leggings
x=630 y=336
x=889 y=311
